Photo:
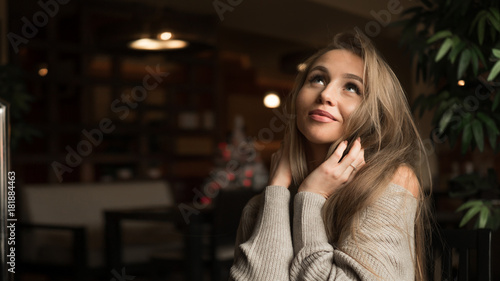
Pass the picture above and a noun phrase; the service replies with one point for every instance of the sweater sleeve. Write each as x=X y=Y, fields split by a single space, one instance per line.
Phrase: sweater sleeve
x=264 y=246
x=381 y=247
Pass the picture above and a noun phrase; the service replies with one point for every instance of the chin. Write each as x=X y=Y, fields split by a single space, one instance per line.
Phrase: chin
x=319 y=135
x=319 y=140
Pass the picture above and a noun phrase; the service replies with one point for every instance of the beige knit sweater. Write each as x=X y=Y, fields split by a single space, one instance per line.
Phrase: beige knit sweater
x=268 y=248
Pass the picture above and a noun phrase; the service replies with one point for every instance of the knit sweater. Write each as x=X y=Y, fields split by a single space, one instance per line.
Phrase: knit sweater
x=270 y=248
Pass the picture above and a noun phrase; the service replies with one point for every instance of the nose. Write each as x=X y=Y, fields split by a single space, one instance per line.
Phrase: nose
x=328 y=95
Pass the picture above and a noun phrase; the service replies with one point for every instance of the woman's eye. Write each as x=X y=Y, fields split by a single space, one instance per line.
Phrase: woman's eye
x=352 y=88
x=317 y=79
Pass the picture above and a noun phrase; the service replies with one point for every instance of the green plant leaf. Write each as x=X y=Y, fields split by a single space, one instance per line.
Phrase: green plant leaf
x=495 y=13
x=445 y=120
x=477 y=130
x=456 y=50
x=466 y=136
x=495 y=219
x=494 y=22
x=468 y=205
x=494 y=71
x=496 y=101
x=480 y=30
x=478 y=52
x=496 y=52
x=479 y=15
x=475 y=62
x=444 y=49
x=445 y=103
x=439 y=35
x=469 y=215
x=490 y=124
x=484 y=216
x=464 y=62
x=493 y=34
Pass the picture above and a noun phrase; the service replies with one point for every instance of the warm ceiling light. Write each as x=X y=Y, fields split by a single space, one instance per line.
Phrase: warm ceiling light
x=155 y=44
x=272 y=100
x=461 y=83
x=165 y=35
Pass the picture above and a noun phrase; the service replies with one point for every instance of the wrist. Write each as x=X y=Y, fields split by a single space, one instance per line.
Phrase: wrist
x=307 y=189
x=281 y=181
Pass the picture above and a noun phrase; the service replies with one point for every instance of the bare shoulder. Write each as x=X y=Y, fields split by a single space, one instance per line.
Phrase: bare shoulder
x=405 y=177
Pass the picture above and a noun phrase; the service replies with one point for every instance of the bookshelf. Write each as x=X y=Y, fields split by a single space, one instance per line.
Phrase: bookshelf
x=109 y=113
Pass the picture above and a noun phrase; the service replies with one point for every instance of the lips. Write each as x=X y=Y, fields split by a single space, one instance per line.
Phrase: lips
x=321 y=116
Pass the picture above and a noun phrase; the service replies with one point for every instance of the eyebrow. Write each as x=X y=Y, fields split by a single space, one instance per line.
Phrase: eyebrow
x=353 y=76
x=346 y=75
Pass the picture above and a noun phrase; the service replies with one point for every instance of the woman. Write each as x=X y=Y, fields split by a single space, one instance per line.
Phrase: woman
x=355 y=155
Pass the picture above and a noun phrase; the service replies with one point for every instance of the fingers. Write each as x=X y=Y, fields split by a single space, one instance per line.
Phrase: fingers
x=345 y=168
x=355 y=156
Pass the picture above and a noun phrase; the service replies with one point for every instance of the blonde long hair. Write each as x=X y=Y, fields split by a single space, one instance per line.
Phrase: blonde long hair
x=389 y=137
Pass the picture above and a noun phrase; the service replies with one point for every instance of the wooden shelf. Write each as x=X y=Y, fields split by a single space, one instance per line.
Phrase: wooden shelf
x=89 y=82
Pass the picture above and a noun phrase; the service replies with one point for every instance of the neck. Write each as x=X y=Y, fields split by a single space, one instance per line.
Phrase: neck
x=316 y=154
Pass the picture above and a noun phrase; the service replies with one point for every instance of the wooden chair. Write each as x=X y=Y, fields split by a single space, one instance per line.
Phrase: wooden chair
x=218 y=240
x=62 y=232
x=461 y=254
x=229 y=205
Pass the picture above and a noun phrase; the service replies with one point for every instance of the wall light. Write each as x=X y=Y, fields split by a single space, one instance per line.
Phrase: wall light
x=461 y=83
x=272 y=100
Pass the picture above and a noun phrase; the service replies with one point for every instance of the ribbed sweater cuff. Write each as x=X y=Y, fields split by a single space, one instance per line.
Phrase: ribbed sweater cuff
x=268 y=253
x=276 y=204
x=278 y=192
x=309 y=228
x=274 y=219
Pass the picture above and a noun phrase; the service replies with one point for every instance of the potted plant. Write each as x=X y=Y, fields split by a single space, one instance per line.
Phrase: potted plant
x=456 y=46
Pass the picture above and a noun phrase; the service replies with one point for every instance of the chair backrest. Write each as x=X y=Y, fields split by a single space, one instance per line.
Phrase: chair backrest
x=472 y=250
x=83 y=204
x=229 y=205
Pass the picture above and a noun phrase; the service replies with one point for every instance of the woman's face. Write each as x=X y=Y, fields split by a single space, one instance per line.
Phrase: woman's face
x=331 y=92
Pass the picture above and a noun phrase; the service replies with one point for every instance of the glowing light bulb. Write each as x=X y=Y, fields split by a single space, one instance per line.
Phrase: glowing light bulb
x=272 y=100
x=43 y=71
x=301 y=66
x=165 y=35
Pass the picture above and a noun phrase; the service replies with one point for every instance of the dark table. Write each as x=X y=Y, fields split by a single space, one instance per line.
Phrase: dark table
x=193 y=234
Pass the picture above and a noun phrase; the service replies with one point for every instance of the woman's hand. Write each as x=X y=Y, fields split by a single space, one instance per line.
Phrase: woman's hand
x=280 y=166
x=332 y=174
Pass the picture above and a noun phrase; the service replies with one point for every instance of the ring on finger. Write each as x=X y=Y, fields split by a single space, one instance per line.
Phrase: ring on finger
x=354 y=167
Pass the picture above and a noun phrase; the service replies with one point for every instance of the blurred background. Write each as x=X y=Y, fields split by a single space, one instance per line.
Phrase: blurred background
x=157 y=111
